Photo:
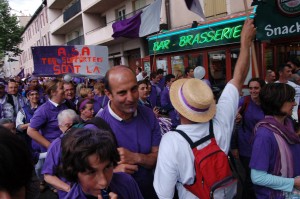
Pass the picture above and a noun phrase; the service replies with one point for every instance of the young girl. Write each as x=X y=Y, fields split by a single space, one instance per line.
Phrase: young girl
x=88 y=158
x=85 y=109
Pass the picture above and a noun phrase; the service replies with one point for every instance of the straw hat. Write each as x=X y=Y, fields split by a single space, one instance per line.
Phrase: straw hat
x=193 y=99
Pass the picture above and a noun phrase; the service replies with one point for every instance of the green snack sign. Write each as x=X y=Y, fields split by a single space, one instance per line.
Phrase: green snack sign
x=203 y=36
x=277 y=19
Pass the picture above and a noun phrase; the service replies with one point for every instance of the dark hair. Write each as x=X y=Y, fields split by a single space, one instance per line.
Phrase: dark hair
x=187 y=70
x=153 y=75
x=31 y=88
x=52 y=86
x=80 y=104
x=273 y=96
x=160 y=71
x=79 y=143
x=140 y=69
x=261 y=82
x=282 y=66
x=294 y=60
x=169 y=77
x=144 y=81
x=16 y=165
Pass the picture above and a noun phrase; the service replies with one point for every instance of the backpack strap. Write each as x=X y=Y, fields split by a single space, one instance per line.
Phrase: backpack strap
x=202 y=140
x=245 y=105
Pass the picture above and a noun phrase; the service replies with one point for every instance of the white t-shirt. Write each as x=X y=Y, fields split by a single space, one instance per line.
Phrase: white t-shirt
x=175 y=160
x=139 y=77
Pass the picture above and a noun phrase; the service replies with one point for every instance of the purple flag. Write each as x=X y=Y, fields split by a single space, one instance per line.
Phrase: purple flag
x=144 y=23
x=195 y=6
x=128 y=27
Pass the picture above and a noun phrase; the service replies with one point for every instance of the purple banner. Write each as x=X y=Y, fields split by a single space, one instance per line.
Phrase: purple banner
x=78 y=60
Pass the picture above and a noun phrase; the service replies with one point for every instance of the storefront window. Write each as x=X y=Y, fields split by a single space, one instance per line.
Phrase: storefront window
x=147 y=67
x=282 y=55
x=195 y=60
x=217 y=68
x=162 y=63
x=177 y=66
x=294 y=50
x=268 y=56
x=234 y=54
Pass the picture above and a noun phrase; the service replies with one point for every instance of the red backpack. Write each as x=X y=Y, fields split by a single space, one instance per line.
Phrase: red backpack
x=213 y=178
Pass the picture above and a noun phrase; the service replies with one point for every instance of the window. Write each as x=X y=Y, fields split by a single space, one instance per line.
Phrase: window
x=121 y=14
x=177 y=66
x=195 y=60
x=103 y=21
x=217 y=68
x=138 y=4
x=215 y=8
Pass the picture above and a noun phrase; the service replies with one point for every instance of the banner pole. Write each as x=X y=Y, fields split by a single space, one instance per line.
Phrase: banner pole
x=254 y=58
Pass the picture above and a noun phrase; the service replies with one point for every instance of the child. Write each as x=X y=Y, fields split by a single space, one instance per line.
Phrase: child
x=88 y=158
x=85 y=109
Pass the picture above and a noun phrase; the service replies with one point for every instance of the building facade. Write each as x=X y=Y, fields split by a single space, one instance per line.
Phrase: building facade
x=89 y=22
x=36 y=33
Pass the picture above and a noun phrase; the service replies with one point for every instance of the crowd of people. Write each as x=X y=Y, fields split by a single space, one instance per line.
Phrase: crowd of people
x=116 y=138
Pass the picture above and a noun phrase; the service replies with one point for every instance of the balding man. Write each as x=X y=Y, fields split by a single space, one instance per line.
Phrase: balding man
x=135 y=127
x=270 y=77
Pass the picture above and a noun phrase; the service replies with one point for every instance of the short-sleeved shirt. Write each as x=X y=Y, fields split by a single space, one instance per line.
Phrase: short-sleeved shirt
x=45 y=121
x=166 y=103
x=122 y=184
x=175 y=162
x=138 y=135
x=52 y=162
x=264 y=153
x=251 y=116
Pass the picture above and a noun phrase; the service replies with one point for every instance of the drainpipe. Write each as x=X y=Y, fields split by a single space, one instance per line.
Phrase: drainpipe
x=168 y=17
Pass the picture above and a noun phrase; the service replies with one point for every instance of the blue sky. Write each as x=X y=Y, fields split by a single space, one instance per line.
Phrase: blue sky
x=25 y=6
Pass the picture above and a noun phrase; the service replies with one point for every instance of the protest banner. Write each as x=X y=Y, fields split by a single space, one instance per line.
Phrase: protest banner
x=78 y=60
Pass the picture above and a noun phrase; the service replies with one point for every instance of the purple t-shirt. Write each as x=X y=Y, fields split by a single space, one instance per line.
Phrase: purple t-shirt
x=138 y=135
x=122 y=184
x=251 y=116
x=53 y=161
x=265 y=149
x=166 y=103
x=103 y=100
x=45 y=121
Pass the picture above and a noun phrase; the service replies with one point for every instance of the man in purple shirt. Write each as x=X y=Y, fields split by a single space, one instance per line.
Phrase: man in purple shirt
x=135 y=127
x=166 y=102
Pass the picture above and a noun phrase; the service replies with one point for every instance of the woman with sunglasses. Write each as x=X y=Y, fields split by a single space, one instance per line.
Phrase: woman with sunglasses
x=26 y=113
x=275 y=161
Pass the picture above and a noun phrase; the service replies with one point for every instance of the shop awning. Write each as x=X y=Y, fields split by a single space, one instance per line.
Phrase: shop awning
x=222 y=32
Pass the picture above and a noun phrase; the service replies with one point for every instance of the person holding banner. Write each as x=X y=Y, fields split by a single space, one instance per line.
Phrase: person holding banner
x=43 y=127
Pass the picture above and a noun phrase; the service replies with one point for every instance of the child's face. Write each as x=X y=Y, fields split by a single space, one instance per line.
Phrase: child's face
x=88 y=112
x=90 y=95
x=98 y=178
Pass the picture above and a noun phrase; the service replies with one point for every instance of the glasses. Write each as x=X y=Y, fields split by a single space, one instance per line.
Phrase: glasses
x=291 y=100
x=32 y=94
x=68 y=125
